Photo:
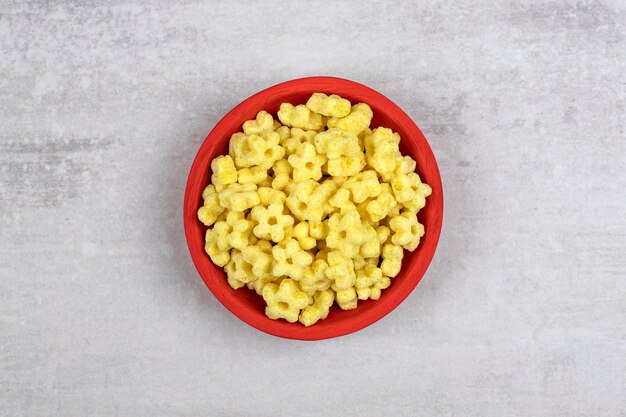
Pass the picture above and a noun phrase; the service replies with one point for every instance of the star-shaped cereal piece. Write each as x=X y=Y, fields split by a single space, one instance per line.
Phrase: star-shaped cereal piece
x=271 y=222
x=346 y=233
x=211 y=209
x=238 y=197
x=306 y=163
x=284 y=301
x=290 y=259
x=296 y=138
x=299 y=116
x=342 y=201
x=378 y=208
x=333 y=105
x=363 y=185
x=238 y=270
x=346 y=298
x=303 y=204
x=381 y=150
x=322 y=301
x=340 y=270
x=410 y=191
x=263 y=121
x=392 y=260
x=314 y=277
x=253 y=175
x=366 y=282
x=259 y=255
x=282 y=171
x=407 y=230
x=216 y=244
x=224 y=171
x=335 y=143
x=240 y=229
x=358 y=120
x=261 y=149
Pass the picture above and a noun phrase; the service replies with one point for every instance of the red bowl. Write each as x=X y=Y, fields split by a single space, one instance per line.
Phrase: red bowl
x=245 y=303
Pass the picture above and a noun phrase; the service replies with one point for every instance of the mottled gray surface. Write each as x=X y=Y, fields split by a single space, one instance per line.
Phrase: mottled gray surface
x=103 y=106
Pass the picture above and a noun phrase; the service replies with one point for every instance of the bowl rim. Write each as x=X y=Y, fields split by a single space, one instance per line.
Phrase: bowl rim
x=373 y=314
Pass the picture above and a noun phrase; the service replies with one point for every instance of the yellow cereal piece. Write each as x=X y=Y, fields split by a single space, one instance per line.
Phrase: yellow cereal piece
x=371 y=247
x=296 y=138
x=404 y=165
x=363 y=186
x=314 y=277
x=268 y=195
x=290 y=259
x=346 y=233
x=211 y=209
x=407 y=230
x=299 y=116
x=392 y=260
x=306 y=163
x=381 y=149
x=284 y=133
x=301 y=233
x=410 y=191
x=284 y=301
x=342 y=201
x=375 y=291
x=345 y=165
x=216 y=244
x=358 y=120
x=271 y=222
x=238 y=197
x=322 y=301
x=335 y=143
x=302 y=203
x=332 y=105
x=382 y=234
x=282 y=171
x=378 y=208
x=253 y=175
x=367 y=278
x=239 y=230
x=323 y=193
x=259 y=255
x=340 y=270
x=224 y=171
x=346 y=298
x=264 y=121
x=238 y=269
x=261 y=149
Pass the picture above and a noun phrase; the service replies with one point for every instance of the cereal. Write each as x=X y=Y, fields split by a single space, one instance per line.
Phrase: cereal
x=299 y=116
x=332 y=105
x=271 y=222
x=306 y=163
x=264 y=121
x=312 y=208
x=319 y=309
x=284 y=300
x=290 y=259
x=224 y=171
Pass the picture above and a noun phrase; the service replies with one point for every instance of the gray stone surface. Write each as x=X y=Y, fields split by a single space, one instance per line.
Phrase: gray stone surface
x=104 y=104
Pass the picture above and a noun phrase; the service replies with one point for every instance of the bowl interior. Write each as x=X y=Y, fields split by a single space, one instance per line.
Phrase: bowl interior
x=249 y=306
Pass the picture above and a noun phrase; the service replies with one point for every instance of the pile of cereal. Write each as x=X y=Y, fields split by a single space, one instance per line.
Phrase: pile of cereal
x=314 y=209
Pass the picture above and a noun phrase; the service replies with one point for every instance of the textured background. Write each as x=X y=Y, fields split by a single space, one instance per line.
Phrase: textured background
x=104 y=104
